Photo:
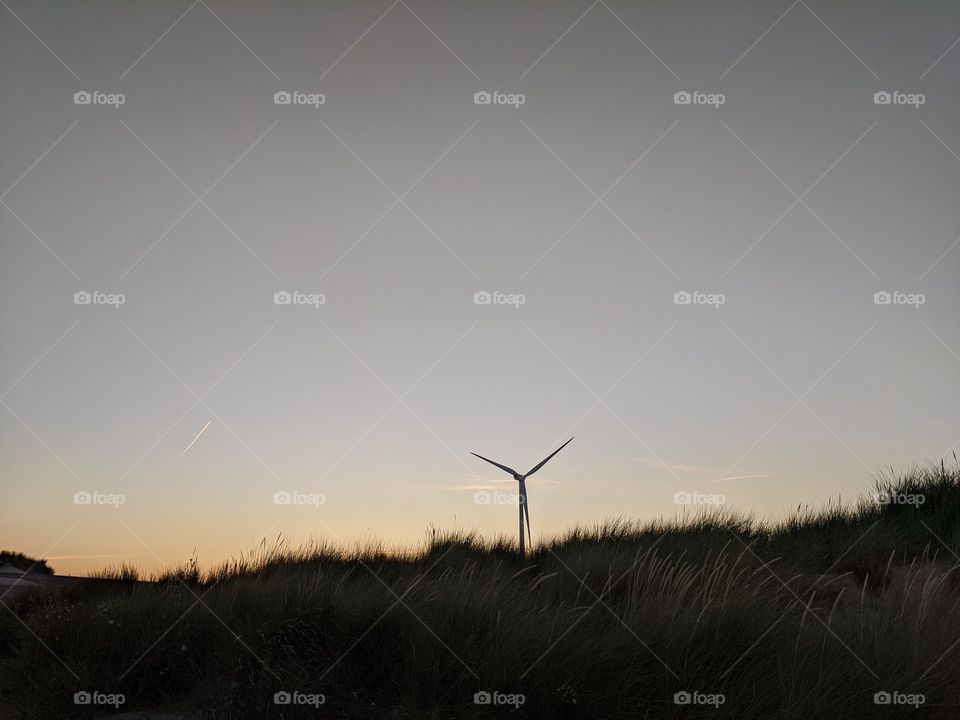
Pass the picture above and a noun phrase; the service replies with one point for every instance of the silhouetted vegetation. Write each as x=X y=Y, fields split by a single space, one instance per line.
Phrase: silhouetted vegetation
x=808 y=617
x=22 y=562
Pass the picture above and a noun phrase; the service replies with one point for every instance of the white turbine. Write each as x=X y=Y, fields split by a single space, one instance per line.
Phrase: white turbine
x=524 y=505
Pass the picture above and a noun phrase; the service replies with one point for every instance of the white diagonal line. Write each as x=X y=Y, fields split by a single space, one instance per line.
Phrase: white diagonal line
x=600 y=199
x=789 y=608
x=39 y=239
x=757 y=41
x=402 y=402
x=197 y=437
x=937 y=261
x=601 y=401
x=798 y=399
x=199 y=600
x=49 y=50
x=37 y=361
x=357 y=41
x=165 y=632
x=175 y=23
x=198 y=398
x=639 y=39
x=597 y=400
x=798 y=200
x=554 y=44
x=37 y=161
x=239 y=39
x=830 y=30
x=421 y=621
x=813 y=614
x=956 y=557
x=40 y=439
x=43 y=555
x=576 y=622
x=398 y=399
x=949 y=149
x=940 y=58
x=756 y=642
x=620 y=619
x=199 y=200
x=439 y=39
x=398 y=199
x=387 y=612
x=39 y=639
x=940 y=340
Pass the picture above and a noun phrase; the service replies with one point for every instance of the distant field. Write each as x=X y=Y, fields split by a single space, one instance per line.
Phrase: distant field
x=838 y=612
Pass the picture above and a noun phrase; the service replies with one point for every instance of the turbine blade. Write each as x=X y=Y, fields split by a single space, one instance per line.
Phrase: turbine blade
x=502 y=467
x=544 y=461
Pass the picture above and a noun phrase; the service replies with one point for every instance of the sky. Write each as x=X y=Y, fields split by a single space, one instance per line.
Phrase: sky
x=689 y=288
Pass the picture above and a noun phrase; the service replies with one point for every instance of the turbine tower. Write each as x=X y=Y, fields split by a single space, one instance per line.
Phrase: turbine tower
x=524 y=507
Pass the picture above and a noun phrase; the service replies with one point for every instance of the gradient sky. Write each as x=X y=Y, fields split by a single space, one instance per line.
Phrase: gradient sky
x=399 y=198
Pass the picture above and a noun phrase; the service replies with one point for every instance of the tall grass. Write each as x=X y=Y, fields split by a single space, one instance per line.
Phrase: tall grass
x=806 y=617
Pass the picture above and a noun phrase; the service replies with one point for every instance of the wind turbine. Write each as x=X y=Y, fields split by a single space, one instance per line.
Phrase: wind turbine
x=522 y=479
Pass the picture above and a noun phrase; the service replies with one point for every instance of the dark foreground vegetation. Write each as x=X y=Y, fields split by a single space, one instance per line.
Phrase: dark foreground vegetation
x=840 y=612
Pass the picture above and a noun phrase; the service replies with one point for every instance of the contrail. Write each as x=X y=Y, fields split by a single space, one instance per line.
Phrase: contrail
x=194 y=441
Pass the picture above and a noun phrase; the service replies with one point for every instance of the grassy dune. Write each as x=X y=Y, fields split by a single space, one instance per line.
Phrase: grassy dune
x=806 y=618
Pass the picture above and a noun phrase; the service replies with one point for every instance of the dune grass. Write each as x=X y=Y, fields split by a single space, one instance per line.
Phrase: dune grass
x=808 y=617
